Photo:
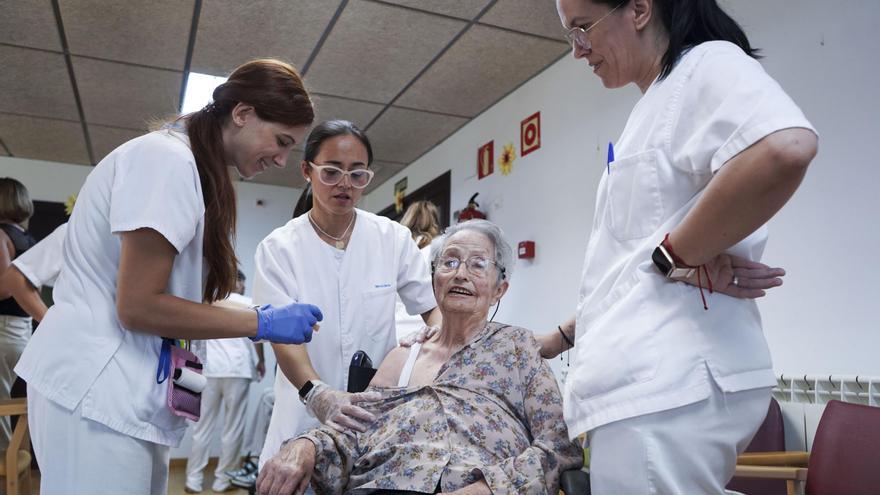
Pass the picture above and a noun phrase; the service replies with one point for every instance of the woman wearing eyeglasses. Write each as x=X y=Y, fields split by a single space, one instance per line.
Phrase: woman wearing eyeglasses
x=350 y=263
x=672 y=375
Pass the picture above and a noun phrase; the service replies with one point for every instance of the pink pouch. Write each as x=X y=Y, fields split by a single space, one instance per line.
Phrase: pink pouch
x=182 y=401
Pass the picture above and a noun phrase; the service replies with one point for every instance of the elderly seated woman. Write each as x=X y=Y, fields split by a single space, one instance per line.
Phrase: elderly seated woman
x=475 y=409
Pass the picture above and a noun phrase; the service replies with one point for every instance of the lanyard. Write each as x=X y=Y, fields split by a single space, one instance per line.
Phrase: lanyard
x=165 y=357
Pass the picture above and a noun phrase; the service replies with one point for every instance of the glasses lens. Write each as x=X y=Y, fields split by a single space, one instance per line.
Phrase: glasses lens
x=360 y=178
x=449 y=264
x=331 y=175
x=478 y=266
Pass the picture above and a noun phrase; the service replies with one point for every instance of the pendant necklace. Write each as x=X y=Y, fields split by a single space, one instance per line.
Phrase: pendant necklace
x=340 y=244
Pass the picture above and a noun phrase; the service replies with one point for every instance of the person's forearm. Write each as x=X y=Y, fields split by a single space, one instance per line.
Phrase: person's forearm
x=258 y=347
x=744 y=195
x=433 y=318
x=295 y=363
x=173 y=317
x=26 y=295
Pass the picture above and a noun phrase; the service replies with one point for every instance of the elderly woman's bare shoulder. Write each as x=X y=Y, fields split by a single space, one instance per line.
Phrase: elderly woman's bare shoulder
x=389 y=371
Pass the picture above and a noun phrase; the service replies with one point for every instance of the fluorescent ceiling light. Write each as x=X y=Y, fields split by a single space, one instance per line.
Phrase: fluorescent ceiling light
x=199 y=88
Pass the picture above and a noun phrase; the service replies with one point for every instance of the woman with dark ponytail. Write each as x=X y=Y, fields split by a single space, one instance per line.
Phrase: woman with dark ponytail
x=671 y=375
x=150 y=242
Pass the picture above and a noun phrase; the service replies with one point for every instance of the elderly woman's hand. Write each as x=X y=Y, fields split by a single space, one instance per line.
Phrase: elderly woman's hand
x=738 y=277
x=289 y=471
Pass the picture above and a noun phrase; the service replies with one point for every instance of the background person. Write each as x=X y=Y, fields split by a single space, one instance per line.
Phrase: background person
x=15 y=323
x=230 y=367
x=671 y=387
x=422 y=219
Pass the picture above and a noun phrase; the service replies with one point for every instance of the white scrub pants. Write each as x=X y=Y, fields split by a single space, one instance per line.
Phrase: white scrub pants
x=231 y=395
x=81 y=456
x=687 y=450
x=15 y=332
x=258 y=426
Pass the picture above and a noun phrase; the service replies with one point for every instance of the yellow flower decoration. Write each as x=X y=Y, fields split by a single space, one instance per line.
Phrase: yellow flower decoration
x=68 y=205
x=505 y=160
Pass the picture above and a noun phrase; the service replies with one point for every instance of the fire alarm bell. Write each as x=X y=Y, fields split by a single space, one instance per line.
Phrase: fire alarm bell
x=526 y=250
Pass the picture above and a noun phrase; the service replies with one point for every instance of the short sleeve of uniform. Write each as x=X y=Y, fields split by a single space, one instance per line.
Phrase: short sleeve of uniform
x=274 y=279
x=728 y=103
x=41 y=263
x=156 y=186
x=413 y=276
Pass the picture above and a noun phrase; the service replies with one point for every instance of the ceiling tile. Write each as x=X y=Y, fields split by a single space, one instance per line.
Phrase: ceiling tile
x=29 y=23
x=106 y=139
x=359 y=112
x=125 y=95
x=35 y=82
x=151 y=33
x=526 y=15
x=288 y=176
x=384 y=171
x=464 y=9
x=495 y=61
x=44 y=139
x=232 y=32
x=402 y=135
x=374 y=50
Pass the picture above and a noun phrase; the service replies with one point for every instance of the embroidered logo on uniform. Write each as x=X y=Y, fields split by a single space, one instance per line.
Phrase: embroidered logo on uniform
x=382 y=286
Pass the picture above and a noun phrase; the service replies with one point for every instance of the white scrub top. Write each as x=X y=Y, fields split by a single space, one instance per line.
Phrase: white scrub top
x=232 y=358
x=42 y=262
x=644 y=343
x=355 y=290
x=82 y=354
x=405 y=323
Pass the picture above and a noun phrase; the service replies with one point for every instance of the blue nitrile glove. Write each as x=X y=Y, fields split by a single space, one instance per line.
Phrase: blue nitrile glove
x=291 y=324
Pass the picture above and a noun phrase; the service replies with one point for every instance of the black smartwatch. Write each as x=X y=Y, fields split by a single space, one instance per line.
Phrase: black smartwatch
x=305 y=389
x=664 y=262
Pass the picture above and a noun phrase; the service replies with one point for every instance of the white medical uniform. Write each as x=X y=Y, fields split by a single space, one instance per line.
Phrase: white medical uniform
x=405 y=323
x=41 y=263
x=85 y=372
x=644 y=344
x=229 y=369
x=355 y=289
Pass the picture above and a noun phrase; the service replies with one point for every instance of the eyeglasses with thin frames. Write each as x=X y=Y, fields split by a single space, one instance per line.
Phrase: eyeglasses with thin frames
x=477 y=266
x=578 y=34
x=330 y=175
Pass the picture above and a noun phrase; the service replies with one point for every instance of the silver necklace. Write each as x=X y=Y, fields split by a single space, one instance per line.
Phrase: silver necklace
x=340 y=244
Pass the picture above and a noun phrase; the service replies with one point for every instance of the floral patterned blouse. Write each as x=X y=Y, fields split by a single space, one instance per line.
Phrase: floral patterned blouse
x=493 y=412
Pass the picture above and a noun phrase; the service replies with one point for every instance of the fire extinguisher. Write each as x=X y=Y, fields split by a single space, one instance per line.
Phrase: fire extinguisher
x=470 y=211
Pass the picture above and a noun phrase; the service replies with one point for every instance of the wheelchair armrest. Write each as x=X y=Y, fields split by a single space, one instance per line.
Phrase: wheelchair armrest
x=575 y=482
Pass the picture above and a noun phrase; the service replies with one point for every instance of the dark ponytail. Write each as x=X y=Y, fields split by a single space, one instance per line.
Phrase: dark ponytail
x=691 y=22
x=277 y=93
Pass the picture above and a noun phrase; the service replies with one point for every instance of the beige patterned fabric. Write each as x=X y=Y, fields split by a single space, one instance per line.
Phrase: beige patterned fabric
x=493 y=412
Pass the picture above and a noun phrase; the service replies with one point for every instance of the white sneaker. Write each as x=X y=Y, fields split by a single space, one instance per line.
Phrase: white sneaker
x=192 y=488
x=221 y=485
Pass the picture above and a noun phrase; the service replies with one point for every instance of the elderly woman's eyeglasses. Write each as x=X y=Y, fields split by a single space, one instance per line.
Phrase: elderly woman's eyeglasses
x=331 y=175
x=578 y=34
x=476 y=265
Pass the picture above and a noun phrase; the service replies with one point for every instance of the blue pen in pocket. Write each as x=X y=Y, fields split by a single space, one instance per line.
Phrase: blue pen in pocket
x=610 y=156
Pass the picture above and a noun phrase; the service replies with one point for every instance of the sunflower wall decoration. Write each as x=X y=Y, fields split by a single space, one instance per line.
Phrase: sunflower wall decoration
x=506 y=158
x=68 y=205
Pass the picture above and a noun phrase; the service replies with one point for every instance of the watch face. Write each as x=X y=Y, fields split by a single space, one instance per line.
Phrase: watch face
x=663 y=263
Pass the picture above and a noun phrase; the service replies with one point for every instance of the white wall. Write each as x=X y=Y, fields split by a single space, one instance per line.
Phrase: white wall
x=51 y=181
x=824 y=54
